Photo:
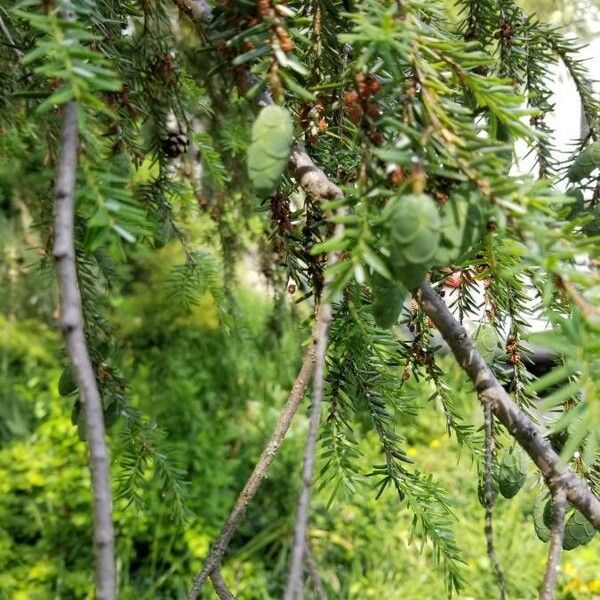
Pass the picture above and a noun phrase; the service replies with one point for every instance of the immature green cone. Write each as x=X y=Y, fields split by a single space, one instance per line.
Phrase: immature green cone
x=272 y=137
x=388 y=298
x=578 y=531
x=577 y=207
x=414 y=237
x=593 y=227
x=512 y=472
x=66 y=383
x=587 y=160
x=462 y=225
x=542 y=530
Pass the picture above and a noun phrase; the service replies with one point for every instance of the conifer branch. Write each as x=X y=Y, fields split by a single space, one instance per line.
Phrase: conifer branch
x=489 y=500
x=294 y=584
x=71 y=323
x=517 y=423
x=559 y=502
x=215 y=556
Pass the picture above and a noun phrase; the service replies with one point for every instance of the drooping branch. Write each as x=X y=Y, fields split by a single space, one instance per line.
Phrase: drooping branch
x=559 y=502
x=215 y=556
x=294 y=584
x=220 y=586
x=71 y=323
x=489 y=500
x=517 y=423
x=313 y=574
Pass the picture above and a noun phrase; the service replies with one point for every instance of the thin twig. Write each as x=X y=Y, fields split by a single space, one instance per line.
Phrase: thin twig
x=215 y=556
x=313 y=574
x=71 y=322
x=294 y=584
x=489 y=500
x=9 y=37
x=220 y=586
x=559 y=502
x=517 y=423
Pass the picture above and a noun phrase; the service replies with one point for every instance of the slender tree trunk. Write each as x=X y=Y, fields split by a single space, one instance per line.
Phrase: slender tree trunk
x=71 y=323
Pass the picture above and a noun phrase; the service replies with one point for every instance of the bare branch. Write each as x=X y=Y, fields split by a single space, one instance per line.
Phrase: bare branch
x=215 y=556
x=294 y=585
x=313 y=574
x=220 y=586
x=310 y=178
x=489 y=500
x=71 y=322
x=518 y=424
x=559 y=502
x=199 y=11
x=11 y=42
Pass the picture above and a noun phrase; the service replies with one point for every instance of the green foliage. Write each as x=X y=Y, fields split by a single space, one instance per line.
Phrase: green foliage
x=585 y=162
x=416 y=113
x=461 y=228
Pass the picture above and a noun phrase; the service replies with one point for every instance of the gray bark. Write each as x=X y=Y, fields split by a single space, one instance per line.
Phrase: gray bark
x=72 y=326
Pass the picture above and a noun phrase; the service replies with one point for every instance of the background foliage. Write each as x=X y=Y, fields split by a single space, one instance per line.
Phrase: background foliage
x=217 y=414
x=194 y=359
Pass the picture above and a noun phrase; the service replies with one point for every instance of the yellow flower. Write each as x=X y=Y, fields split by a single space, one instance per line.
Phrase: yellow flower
x=594 y=586
x=570 y=568
x=412 y=452
x=434 y=443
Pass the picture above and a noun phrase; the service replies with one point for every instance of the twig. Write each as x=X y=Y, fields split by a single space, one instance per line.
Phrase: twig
x=313 y=574
x=215 y=556
x=559 y=502
x=489 y=500
x=518 y=424
x=220 y=586
x=10 y=39
x=199 y=11
x=71 y=323
x=294 y=584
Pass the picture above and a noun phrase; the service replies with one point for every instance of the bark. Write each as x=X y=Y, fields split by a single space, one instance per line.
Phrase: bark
x=215 y=556
x=72 y=326
x=489 y=501
x=294 y=584
x=518 y=424
x=220 y=586
x=559 y=503
x=313 y=574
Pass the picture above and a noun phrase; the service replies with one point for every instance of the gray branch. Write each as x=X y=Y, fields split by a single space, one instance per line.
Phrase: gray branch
x=489 y=500
x=215 y=556
x=313 y=574
x=518 y=424
x=559 y=502
x=294 y=584
x=220 y=586
x=71 y=323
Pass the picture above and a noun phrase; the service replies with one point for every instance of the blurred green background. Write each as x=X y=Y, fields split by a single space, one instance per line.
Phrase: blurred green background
x=217 y=396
